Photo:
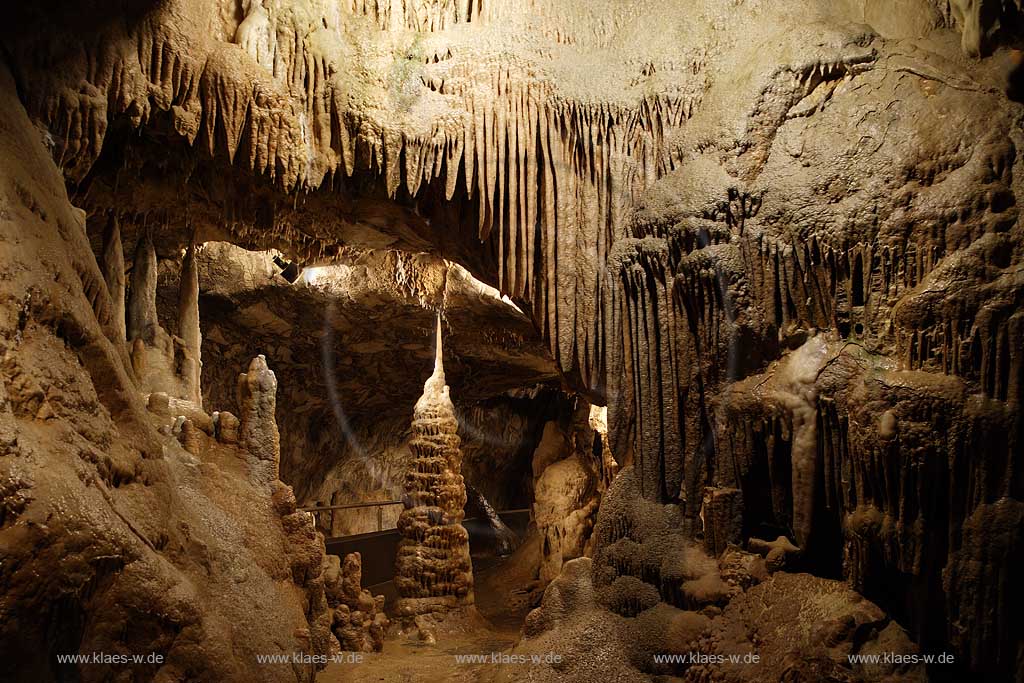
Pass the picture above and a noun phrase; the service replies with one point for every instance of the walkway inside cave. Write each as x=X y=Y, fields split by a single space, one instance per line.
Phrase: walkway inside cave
x=502 y=589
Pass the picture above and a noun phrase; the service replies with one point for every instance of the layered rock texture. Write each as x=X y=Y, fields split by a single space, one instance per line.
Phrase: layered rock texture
x=433 y=570
x=781 y=241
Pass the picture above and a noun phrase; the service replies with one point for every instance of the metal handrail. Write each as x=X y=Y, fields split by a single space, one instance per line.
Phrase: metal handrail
x=369 y=504
x=380 y=505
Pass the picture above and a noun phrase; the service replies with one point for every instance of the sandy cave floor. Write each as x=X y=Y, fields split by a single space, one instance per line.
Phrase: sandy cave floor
x=501 y=587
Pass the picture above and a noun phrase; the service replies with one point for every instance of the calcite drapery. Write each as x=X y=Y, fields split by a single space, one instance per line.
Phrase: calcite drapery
x=433 y=571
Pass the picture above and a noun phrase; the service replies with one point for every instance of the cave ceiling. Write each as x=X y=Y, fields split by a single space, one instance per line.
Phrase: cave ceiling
x=355 y=337
x=511 y=137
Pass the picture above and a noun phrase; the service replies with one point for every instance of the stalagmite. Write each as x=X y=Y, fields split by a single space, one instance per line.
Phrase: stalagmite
x=113 y=273
x=142 y=320
x=257 y=432
x=433 y=571
x=188 y=328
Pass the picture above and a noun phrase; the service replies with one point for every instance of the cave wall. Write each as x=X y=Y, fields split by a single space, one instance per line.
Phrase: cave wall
x=116 y=539
x=832 y=331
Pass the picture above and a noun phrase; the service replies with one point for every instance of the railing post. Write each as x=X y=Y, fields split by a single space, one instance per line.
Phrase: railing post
x=380 y=518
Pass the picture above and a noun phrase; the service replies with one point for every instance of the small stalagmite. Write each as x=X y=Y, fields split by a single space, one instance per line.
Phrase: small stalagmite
x=257 y=431
x=433 y=571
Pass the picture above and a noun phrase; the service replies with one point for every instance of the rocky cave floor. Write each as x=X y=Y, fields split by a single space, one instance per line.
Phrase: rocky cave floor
x=502 y=603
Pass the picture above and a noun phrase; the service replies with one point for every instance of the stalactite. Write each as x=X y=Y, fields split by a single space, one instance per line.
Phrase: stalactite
x=548 y=173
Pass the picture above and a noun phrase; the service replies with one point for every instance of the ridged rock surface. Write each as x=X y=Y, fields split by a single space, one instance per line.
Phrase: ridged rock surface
x=433 y=570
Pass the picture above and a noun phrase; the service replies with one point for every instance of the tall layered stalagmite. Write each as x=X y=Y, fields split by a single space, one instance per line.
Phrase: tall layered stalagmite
x=433 y=571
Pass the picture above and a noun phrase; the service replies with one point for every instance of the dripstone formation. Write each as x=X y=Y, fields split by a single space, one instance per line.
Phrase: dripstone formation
x=433 y=571
x=779 y=241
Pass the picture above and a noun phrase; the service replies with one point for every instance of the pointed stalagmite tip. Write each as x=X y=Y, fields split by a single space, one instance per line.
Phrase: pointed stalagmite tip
x=438 y=352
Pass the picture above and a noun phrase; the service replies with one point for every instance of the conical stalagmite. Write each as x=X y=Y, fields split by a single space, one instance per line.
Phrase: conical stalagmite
x=188 y=328
x=142 y=320
x=113 y=274
x=433 y=572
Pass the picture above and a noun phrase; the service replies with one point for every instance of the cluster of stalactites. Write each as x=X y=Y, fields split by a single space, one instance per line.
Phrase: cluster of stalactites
x=551 y=175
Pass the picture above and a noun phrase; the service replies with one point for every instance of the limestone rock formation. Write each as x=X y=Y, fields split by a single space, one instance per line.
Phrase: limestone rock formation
x=359 y=619
x=113 y=538
x=572 y=466
x=791 y=627
x=257 y=431
x=433 y=570
x=780 y=240
x=565 y=504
